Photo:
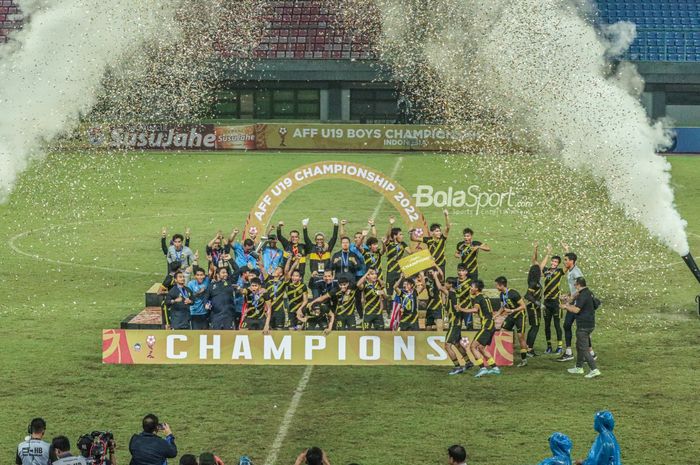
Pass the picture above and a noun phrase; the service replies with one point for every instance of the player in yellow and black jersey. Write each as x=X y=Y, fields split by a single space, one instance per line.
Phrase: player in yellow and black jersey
x=468 y=253
x=456 y=313
x=479 y=347
x=257 y=303
x=373 y=256
x=297 y=297
x=513 y=307
x=343 y=304
x=373 y=295
x=462 y=290
x=406 y=290
x=552 y=290
x=431 y=282
x=276 y=286
x=437 y=241
x=394 y=249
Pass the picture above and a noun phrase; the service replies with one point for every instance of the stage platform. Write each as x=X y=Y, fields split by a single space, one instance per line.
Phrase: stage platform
x=148 y=318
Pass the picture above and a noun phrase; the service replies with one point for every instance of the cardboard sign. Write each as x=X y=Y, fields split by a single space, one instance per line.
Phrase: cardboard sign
x=416 y=262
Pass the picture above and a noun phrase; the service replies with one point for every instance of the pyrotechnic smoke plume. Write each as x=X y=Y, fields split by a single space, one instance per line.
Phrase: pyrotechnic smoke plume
x=51 y=72
x=539 y=71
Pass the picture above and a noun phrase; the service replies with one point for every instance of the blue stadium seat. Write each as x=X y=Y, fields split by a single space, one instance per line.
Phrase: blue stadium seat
x=667 y=30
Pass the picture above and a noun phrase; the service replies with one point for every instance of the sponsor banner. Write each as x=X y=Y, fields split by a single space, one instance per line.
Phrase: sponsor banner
x=276 y=193
x=153 y=137
x=417 y=262
x=366 y=348
x=302 y=136
x=235 y=137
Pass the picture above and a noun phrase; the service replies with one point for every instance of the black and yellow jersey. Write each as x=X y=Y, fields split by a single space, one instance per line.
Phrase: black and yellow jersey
x=394 y=252
x=275 y=290
x=373 y=260
x=453 y=316
x=510 y=299
x=372 y=293
x=255 y=304
x=434 y=302
x=295 y=294
x=437 y=249
x=552 y=283
x=409 y=306
x=462 y=291
x=536 y=292
x=485 y=310
x=344 y=301
x=468 y=255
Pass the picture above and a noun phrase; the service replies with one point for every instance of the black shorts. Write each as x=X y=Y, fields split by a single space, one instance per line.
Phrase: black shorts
x=375 y=321
x=485 y=335
x=515 y=320
x=254 y=324
x=551 y=308
x=431 y=316
x=406 y=326
x=454 y=333
x=345 y=321
x=277 y=320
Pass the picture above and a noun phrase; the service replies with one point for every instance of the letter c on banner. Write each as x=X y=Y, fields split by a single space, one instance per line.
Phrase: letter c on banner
x=170 y=347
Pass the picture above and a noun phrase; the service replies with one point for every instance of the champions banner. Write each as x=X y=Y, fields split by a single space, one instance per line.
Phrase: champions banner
x=366 y=348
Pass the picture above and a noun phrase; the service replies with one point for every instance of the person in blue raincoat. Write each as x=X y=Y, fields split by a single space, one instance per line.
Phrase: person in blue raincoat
x=561 y=450
x=605 y=449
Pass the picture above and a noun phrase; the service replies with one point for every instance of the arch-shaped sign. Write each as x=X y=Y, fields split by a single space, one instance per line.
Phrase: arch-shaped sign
x=273 y=196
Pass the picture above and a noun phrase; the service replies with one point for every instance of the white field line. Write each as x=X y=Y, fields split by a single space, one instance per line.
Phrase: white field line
x=288 y=417
x=304 y=381
x=11 y=242
x=392 y=175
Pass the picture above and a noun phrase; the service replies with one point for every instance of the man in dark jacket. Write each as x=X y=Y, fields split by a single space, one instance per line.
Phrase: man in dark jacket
x=220 y=295
x=147 y=448
x=583 y=308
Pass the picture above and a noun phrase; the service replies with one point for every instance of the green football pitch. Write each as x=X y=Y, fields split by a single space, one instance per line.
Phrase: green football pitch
x=80 y=244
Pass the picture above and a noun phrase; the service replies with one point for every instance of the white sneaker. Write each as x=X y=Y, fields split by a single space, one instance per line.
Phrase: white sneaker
x=593 y=373
x=575 y=370
x=483 y=371
x=523 y=363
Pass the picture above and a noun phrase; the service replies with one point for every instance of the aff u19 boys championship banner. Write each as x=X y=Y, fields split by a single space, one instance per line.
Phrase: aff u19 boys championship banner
x=279 y=136
x=156 y=347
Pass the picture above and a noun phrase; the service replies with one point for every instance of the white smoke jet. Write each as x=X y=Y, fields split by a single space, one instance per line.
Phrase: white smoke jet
x=51 y=72
x=541 y=66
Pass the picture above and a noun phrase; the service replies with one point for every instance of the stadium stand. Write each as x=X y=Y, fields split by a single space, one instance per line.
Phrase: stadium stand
x=307 y=41
x=308 y=29
x=667 y=30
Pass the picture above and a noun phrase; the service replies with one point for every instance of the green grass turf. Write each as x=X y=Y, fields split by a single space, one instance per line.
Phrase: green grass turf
x=80 y=211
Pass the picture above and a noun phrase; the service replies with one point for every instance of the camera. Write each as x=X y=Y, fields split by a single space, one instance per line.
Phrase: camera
x=96 y=446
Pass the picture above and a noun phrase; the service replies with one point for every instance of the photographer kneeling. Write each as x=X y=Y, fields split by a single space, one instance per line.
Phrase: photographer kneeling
x=147 y=448
x=60 y=447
